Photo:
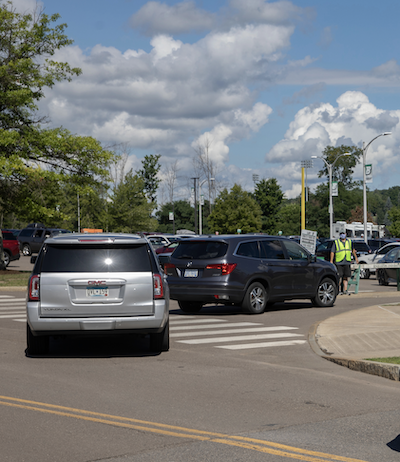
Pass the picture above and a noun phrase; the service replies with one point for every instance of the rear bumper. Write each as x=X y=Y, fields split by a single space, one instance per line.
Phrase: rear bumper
x=110 y=325
x=212 y=293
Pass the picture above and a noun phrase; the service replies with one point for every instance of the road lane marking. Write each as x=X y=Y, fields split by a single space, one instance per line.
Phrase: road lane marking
x=15 y=315
x=237 y=338
x=181 y=320
x=228 y=324
x=231 y=331
x=248 y=346
x=263 y=446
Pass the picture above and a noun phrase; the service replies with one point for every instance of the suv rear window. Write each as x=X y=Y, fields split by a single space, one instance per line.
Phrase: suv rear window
x=200 y=250
x=95 y=258
x=361 y=246
x=9 y=236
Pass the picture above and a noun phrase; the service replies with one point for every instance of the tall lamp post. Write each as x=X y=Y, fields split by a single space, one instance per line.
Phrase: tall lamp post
x=200 y=204
x=365 y=148
x=330 y=168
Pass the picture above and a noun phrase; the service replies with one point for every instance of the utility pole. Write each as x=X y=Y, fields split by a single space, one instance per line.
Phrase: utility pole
x=195 y=204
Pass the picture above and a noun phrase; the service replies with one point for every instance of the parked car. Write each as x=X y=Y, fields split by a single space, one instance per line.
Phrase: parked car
x=377 y=256
x=32 y=237
x=10 y=247
x=249 y=271
x=386 y=275
x=376 y=244
x=2 y=262
x=104 y=284
x=158 y=241
x=164 y=253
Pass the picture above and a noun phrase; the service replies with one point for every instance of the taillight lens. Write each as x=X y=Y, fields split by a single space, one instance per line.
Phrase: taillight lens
x=158 y=288
x=226 y=268
x=34 y=288
x=168 y=266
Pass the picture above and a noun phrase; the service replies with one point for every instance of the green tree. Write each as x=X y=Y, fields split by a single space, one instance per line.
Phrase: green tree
x=148 y=174
x=129 y=210
x=29 y=153
x=344 y=166
x=269 y=197
x=235 y=210
x=289 y=219
x=394 y=217
x=183 y=213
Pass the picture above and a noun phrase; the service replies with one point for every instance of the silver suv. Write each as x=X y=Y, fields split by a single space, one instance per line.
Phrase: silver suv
x=100 y=284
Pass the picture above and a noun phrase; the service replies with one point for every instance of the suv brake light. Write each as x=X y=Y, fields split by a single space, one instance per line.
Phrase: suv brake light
x=158 y=288
x=226 y=268
x=34 y=286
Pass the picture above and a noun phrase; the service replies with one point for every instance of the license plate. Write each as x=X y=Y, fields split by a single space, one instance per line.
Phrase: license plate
x=97 y=292
x=191 y=273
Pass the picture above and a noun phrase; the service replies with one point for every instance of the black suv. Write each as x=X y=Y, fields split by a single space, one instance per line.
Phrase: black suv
x=249 y=271
x=32 y=237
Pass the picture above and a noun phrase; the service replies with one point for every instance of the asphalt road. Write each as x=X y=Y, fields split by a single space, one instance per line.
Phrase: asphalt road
x=111 y=400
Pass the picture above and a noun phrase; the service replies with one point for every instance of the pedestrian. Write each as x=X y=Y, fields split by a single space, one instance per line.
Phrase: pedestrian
x=341 y=251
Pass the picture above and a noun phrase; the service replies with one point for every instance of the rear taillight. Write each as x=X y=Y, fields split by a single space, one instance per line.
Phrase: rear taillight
x=34 y=288
x=226 y=268
x=158 y=288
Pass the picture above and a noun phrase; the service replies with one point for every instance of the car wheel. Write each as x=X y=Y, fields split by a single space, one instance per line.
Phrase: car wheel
x=160 y=342
x=255 y=300
x=382 y=278
x=26 y=250
x=326 y=293
x=6 y=258
x=36 y=345
x=190 y=307
x=364 y=273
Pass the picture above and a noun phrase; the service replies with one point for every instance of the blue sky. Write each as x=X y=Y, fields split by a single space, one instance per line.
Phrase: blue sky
x=266 y=84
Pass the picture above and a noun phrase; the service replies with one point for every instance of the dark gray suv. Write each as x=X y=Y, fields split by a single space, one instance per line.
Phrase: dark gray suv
x=249 y=271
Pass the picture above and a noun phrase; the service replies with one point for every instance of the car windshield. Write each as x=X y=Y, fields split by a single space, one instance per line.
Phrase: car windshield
x=95 y=258
x=201 y=250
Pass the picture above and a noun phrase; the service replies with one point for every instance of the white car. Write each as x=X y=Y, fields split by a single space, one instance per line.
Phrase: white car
x=375 y=258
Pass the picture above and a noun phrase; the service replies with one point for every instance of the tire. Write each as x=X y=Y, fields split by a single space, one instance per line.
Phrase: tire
x=256 y=298
x=365 y=273
x=26 y=250
x=160 y=342
x=7 y=258
x=36 y=345
x=326 y=293
x=190 y=307
x=382 y=278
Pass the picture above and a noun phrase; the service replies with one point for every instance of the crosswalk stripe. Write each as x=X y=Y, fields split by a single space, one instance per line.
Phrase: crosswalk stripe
x=12 y=307
x=20 y=320
x=238 y=338
x=5 y=316
x=192 y=321
x=261 y=345
x=228 y=324
x=231 y=331
x=4 y=302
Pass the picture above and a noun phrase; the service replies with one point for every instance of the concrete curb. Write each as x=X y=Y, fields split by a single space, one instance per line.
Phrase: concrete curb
x=386 y=370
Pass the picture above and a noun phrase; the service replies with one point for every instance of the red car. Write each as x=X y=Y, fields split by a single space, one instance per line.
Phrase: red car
x=10 y=247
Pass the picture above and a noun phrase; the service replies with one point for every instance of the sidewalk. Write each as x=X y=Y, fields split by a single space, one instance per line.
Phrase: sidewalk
x=349 y=339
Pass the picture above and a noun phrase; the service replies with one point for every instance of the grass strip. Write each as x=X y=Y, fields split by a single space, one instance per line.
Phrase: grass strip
x=11 y=278
x=392 y=360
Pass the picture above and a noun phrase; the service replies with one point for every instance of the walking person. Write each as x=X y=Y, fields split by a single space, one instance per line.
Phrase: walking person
x=341 y=251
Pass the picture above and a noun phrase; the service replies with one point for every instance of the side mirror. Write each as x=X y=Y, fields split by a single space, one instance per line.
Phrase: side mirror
x=33 y=259
x=312 y=258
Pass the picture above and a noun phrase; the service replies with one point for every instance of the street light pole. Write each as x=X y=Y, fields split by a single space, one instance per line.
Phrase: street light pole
x=365 y=148
x=200 y=204
x=330 y=168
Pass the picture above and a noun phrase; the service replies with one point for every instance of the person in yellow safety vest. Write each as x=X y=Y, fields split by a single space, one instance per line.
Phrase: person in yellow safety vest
x=341 y=255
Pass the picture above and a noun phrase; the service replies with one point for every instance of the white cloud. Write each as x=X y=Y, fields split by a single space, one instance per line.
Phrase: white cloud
x=156 y=18
x=354 y=120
